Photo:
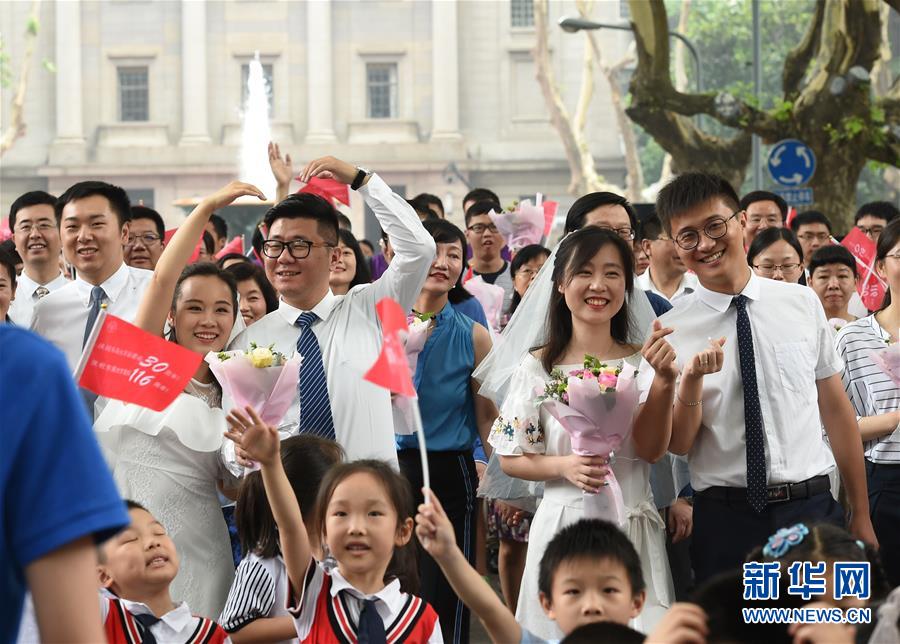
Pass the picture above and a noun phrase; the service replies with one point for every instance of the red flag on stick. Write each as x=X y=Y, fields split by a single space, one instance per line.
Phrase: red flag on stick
x=328 y=188
x=236 y=245
x=124 y=362
x=391 y=370
x=870 y=287
x=550 y=208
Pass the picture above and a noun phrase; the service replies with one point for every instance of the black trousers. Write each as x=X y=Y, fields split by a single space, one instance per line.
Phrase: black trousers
x=725 y=531
x=884 y=508
x=454 y=481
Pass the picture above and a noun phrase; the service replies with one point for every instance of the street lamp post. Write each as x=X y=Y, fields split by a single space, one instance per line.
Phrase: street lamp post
x=572 y=25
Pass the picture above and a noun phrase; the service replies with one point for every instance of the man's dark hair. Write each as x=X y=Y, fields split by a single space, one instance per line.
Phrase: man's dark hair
x=421 y=207
x=590 y=539
x=765 y=195
x=480 y=208
x=306 y=206
x=116 y=196
x=143 y=212
x=880 y=209
x=690 y=190
x=219 y=225
x=33 y=198
x=577 y=214
x=831 y=254
x=344 y=221
x=429 y=200
x=607 y=632
x=808 y=217
x=482 y=194
x=651 y=228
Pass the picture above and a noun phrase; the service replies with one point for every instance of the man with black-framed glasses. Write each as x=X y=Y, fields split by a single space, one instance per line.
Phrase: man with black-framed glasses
x=487 y=243
x=745 y=374
x=338 y=336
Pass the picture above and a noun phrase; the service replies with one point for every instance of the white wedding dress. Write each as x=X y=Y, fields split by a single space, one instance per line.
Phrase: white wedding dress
x=530 y=429
x=169 y=462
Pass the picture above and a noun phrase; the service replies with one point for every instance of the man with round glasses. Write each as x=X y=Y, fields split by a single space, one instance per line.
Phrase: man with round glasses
x=339 y=336
x=756 y=371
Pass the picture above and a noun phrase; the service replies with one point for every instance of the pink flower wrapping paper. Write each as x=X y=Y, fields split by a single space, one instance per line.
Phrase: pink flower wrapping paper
x=269 y=390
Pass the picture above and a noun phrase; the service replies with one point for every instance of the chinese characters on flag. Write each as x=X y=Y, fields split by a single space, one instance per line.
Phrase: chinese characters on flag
x=126 y=363
x=871 y=288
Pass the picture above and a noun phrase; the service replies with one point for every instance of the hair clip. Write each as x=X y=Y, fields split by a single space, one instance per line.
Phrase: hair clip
x=785 y=539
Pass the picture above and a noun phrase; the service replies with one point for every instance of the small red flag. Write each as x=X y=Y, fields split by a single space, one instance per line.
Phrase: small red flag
x=870 y=287
x=550 y=208
x=792 y=212
x=236 y=245
x=128 y=364
x=328 y=188
x=391 y=370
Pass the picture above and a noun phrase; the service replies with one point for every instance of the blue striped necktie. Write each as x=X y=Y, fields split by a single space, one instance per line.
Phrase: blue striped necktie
x=315 y=407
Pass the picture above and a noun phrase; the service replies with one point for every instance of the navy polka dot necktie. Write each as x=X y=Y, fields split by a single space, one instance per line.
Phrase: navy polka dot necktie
x=753 y=422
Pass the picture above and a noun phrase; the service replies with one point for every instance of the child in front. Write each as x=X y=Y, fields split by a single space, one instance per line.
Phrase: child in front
x=364 y=514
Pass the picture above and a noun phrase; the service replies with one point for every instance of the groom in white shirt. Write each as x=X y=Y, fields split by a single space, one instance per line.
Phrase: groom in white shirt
x=93 y=222
x=33 y=222
x=339 y=336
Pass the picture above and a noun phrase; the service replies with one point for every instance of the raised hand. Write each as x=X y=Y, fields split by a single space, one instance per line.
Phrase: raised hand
x=434 y=529
x=659 y=353
x=329 y=168
x=683 y=623
x=258 y=440
x=282 y=167
x=585 y=472
x=225 y=196
x=707 y=361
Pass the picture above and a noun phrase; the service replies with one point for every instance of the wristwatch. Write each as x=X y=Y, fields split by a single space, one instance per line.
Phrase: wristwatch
x=361 y=174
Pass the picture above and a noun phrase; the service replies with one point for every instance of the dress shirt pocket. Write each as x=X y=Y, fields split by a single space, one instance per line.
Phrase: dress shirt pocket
x=796 y=366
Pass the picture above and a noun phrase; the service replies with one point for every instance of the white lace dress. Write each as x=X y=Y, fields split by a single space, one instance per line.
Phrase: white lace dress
x=524 y=428
x=169 y=462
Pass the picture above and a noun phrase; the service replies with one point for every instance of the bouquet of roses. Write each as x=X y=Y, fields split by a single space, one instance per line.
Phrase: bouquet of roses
x=521 y=224
x=595 y=405
x=260 y=377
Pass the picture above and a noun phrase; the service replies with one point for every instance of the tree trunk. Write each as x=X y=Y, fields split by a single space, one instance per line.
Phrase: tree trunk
x=16 y=128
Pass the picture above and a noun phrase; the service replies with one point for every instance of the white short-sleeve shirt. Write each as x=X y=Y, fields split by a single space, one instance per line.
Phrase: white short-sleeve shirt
x=793 y=348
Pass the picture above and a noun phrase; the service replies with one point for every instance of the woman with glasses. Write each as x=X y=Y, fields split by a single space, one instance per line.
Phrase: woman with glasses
x=775 y=253
x=876 y=399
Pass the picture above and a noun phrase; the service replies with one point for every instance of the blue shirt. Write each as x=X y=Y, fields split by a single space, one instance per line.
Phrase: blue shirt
x=55 y=487
x=443 y=382
x=472 y=308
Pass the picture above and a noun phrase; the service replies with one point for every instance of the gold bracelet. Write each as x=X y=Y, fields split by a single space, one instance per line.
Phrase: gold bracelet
x=685 y=403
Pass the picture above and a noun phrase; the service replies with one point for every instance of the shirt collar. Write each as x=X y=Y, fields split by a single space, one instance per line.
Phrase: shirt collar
x=177 y=619
x=322 y=309
x=113 y=286
x=28 y=286
x=390 y=594
x=721 y=301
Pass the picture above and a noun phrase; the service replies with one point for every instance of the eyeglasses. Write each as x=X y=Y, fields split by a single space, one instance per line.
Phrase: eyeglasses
x=479 y=229
x=147 y=239
x=298 y=248
x=625 y=232
x=27 y=227
x=893 y=256
x=872 y=230
x=526 y=272
x=808 y=237
x=771 y=269
x=715 y=228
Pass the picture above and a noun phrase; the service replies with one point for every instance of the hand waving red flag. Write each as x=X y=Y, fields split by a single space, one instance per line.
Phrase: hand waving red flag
x=391 y=370
x=328 y=188
x=124 y=362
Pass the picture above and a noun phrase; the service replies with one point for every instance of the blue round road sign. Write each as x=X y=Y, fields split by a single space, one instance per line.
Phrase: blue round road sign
x=791 y=163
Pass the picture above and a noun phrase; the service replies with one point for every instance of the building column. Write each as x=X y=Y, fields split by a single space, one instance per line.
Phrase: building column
x=69 y=119
x=319 y=72
x=194 y=108
x=445 y=70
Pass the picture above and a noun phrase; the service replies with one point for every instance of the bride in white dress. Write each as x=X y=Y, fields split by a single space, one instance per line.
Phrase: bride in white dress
x=169 y=461
x=587 y=316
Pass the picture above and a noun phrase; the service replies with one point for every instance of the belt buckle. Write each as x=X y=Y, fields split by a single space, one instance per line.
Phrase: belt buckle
x=778 y=493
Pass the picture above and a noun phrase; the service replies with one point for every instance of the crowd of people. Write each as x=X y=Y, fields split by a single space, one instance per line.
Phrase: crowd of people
x=763 y=428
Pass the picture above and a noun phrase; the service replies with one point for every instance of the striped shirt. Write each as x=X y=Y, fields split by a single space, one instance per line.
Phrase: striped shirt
x=870 y=389
x=259 y=589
